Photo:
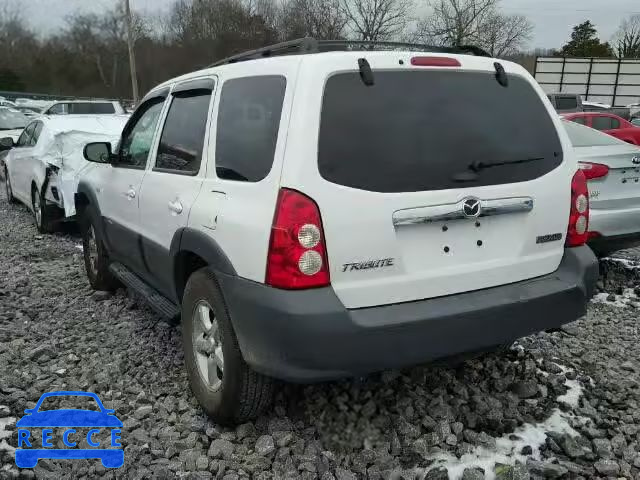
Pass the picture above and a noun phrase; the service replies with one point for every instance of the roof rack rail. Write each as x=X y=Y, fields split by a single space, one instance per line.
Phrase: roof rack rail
x=311 y=45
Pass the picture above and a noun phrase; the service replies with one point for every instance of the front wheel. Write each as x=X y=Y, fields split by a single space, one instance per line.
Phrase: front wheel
x=226 y=387
x=96 y=260
x=7 y=186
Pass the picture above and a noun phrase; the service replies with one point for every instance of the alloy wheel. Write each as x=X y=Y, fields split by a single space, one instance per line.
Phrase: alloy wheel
x=37 y=210
x=207 y=345
x=7 y=184
x=92 y=247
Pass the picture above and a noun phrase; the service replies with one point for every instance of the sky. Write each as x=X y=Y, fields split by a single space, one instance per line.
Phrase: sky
x=553 y=19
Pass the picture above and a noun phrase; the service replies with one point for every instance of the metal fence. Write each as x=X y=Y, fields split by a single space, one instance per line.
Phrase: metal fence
x=608 y=80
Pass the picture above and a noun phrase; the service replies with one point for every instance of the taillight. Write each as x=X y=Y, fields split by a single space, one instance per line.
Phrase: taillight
x=297 y=256
x=579 y=214
x=593 y=170
x=434 y=62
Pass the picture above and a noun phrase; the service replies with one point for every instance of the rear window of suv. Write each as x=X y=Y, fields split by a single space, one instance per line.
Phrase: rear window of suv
x=91 y=108
x=414 y=131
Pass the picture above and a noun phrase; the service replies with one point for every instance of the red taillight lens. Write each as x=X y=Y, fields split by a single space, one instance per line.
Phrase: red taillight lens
x=579 y=214
x=297 y=256
x=434 y=62
x=593 y=170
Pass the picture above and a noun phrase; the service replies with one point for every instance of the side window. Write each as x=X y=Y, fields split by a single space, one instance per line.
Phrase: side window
x=138 y=135
x=566 y=103
x=57 y=109
x=91 y=108
x=182 y=140
x=580 y=120
x=615 y=123
x=248 y=123
x=601 y=123
x=36 y=134
x=25 y=137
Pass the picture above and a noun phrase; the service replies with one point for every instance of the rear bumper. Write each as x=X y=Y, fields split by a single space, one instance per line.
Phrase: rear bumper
x=605 y=245
x=615 y=222
x=309 y=335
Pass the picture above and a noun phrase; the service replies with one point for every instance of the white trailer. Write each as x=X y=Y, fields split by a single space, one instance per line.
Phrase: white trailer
x=611 y=81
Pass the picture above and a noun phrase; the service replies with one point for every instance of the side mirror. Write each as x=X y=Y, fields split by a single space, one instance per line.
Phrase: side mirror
x=6 y=143
x=97 y=152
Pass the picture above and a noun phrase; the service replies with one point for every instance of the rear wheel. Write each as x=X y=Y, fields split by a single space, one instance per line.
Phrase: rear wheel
x=226 y=387
x=7 y=186
x=41 y=213
x=96 y=260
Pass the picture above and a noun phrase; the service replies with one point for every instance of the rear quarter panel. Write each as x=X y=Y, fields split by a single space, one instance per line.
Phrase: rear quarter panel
x=238 y=215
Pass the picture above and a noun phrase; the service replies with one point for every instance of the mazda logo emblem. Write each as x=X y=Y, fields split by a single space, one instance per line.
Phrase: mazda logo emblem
x=636 y=160
x=471 y=207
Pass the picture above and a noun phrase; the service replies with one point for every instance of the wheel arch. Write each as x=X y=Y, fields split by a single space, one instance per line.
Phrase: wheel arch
x=192 y=250
x=85 y=197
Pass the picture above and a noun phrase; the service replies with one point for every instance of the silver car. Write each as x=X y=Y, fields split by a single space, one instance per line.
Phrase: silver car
x=612 y=168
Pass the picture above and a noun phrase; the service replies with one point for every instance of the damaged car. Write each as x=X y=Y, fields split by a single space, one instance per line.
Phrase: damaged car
x=43 y=168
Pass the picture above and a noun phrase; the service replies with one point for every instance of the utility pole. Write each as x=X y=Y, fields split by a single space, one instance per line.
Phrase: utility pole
x=132 y=55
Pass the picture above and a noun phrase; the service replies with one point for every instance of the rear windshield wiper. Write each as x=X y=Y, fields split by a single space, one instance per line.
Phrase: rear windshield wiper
x=477 y=165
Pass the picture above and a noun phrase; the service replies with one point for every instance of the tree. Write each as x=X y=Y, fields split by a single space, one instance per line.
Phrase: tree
x=504 y=35
x=627 y=38
x=376 y=20
x=455 y=22
x=585 y=43
x=462 y=22
x=322 y=19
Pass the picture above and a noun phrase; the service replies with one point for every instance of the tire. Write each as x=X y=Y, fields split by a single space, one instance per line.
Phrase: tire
x=41 y=213
x=7 y=186
x=96 y=259
x=235 y=393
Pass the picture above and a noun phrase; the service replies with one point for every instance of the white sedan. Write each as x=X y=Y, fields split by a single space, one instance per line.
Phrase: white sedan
x=43 y=168
x=612 y=169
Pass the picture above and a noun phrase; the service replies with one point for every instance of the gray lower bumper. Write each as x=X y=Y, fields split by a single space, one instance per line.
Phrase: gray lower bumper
x=309 y=335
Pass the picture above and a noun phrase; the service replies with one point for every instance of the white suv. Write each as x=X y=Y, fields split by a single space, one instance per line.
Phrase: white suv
x=84 y=107
x=326 y=214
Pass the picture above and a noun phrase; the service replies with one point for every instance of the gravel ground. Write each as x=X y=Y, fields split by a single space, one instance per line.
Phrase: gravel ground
x=557 y=405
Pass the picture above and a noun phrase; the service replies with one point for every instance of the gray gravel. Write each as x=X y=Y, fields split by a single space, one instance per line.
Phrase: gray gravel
x=558 y=405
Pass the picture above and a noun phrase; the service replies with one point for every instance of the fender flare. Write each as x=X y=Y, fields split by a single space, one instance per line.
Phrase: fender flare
x=86 y=190
x=189 y=240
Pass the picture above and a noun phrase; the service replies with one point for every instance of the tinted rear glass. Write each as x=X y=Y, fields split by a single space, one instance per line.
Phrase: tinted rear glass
x=248 y=123
x=81 y=108
x=413 y=131
x=566 y=103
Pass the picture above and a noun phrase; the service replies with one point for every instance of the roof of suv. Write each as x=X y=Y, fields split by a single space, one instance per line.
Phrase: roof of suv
x=300 y=50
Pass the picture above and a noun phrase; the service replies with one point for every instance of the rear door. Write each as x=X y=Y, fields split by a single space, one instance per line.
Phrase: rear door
x=172 y=185
x=408 y=209
x=20 y=163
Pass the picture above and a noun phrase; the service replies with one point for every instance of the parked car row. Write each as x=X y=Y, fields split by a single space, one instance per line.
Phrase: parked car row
x=313 y=215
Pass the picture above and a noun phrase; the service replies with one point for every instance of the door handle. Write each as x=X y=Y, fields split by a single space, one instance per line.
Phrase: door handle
x=175 y=207
x=131 y=193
